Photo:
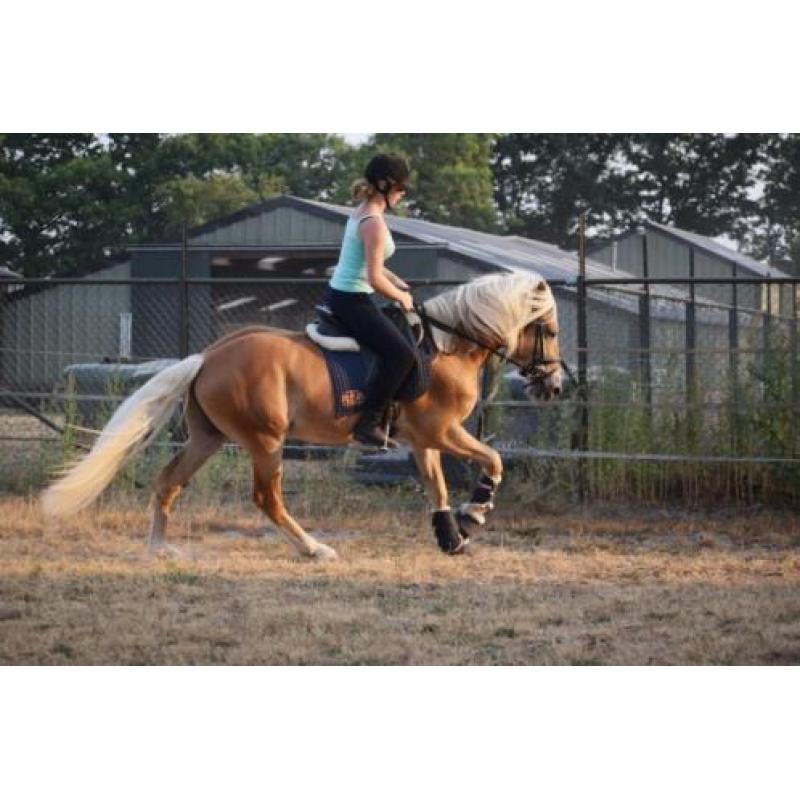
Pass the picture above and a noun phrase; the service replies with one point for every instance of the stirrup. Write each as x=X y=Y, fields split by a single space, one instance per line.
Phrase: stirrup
x=376 y=438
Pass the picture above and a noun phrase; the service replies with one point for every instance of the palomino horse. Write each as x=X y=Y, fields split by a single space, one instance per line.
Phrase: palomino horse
x=259 y=386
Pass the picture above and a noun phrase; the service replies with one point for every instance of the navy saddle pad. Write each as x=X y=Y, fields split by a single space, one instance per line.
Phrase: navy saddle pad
x=351 y=373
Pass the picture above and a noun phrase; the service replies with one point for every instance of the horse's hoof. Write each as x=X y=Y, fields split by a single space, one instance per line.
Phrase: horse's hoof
x=467 y=526
x=464 y=548
x=164 y=550
x=448 y=538
x=324 y=553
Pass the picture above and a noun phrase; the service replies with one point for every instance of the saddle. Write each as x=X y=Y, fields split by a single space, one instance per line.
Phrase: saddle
x=352 y=366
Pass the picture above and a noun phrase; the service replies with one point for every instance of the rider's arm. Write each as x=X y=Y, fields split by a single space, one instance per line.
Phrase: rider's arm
x=395 y=279
x=373 y=233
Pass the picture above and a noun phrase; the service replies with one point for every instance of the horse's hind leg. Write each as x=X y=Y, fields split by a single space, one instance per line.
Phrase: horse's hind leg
x=204 y=441
x=268 y=496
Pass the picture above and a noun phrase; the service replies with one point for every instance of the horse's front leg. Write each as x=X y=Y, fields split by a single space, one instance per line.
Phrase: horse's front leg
x=471 y=516
x=429 y=462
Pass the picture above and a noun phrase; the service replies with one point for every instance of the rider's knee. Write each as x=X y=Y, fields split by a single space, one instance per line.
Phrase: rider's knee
x=406 y=359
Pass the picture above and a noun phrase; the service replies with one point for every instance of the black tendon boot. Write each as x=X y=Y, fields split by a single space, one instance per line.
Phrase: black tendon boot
x=369 y=430
x=447 y=535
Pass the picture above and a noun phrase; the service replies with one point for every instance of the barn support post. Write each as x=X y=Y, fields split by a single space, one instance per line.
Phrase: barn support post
x=183 y=344
x=583 y=357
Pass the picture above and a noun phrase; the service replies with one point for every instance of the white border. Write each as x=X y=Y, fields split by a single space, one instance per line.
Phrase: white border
x=399 y=732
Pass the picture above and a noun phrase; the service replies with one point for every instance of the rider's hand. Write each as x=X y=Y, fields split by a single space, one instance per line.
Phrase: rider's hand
x=406 y=301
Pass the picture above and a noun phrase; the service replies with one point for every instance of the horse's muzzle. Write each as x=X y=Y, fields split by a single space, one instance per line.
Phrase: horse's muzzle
x=545 y=387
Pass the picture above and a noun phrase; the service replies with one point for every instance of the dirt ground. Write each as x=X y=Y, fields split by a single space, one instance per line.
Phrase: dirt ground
x=604 y=586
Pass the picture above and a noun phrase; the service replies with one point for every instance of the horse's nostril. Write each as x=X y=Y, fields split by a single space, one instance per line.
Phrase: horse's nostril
x=556 y=390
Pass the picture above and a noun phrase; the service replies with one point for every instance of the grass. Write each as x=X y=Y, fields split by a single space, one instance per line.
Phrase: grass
x=608 y=586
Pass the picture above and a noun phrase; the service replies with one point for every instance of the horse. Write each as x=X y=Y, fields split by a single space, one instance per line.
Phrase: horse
x=258 y=386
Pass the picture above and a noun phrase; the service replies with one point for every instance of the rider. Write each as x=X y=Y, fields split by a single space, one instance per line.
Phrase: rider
x=360 y=272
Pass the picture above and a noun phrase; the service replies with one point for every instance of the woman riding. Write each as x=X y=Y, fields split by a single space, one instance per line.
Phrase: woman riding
x=361 y=272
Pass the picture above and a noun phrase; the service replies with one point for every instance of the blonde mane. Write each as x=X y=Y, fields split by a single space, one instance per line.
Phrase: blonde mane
x=493 y=308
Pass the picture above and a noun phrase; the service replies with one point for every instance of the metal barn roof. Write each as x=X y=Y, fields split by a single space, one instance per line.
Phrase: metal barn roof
x=505 y=252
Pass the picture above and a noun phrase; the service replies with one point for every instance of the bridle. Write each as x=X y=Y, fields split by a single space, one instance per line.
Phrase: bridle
x=534 y=370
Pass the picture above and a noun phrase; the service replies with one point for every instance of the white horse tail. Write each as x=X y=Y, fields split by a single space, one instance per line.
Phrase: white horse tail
x=132 y=427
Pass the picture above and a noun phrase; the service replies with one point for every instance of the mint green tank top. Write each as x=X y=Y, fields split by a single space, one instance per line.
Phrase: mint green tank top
x=350 y=274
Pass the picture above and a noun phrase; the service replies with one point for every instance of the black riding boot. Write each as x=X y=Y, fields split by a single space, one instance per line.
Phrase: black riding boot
x=369 y=430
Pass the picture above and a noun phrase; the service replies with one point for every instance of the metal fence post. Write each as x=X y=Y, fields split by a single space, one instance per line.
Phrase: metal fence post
x=644 y=336
x=6 y=353
x=691 y=345
x=767 y=322
x=482 y=430
x=583 y=358
x=795 y=381
x=183 y=344
x=733 y=345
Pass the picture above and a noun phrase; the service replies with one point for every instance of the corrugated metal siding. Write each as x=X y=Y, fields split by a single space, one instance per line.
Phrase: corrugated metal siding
x=748 y=296
x=717 y=250
x=624 y=255
x=61 y=325
x=630 y=255
x=453 y=269
x=666 y=258
x=706 y=266
x=276 y=227
x=604 y=254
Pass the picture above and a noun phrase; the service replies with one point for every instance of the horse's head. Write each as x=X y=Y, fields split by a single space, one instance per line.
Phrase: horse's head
x=513 y=311
x=539 y=354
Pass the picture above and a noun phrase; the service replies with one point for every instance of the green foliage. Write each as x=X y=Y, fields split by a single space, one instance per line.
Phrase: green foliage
x=544 y=180
x=754 y=416
x=451 y=176
x=770 y=231
x=197 y=200
x=58 y=197
x=701 y=182
x=68 y=201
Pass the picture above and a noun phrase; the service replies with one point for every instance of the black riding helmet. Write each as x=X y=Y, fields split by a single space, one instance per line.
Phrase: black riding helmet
x=386 y=171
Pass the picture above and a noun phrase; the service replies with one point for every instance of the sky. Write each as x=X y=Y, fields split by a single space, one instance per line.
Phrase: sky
x=355 y=138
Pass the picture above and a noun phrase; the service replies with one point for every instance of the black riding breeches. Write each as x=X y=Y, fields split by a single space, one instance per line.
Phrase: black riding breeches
x=371 y=328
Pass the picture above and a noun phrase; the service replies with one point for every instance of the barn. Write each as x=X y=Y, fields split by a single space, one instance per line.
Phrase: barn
x=727 y=326
x=661 y=251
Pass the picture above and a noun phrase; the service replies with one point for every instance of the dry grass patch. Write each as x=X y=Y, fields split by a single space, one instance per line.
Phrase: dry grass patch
x=601 y=587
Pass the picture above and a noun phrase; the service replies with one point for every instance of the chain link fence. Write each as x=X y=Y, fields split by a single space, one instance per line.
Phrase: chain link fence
x=684 y=380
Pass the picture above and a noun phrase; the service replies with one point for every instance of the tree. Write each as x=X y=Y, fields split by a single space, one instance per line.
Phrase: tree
x=69 y=200
x=771 y=228
x=700 y=182
x=544 y=181
x=57 y=201
x=195 y=201
x=697 y=181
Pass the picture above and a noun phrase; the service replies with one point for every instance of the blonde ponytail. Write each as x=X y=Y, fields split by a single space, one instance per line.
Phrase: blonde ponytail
x=362 y=189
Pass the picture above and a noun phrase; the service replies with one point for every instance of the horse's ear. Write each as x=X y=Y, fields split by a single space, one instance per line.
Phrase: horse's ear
x=541 y=287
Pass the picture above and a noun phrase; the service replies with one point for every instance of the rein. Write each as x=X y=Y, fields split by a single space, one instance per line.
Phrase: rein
x=531 y=370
